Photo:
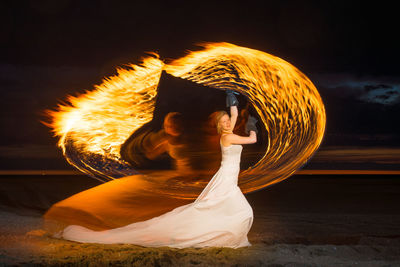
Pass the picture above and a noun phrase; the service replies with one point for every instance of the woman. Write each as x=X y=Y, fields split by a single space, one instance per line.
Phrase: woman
x=219 y=217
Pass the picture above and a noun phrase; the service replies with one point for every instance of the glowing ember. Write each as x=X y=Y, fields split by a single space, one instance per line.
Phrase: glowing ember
x=94 y=126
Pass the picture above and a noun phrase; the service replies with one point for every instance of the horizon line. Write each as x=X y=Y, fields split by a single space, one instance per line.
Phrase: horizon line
x=299 y=172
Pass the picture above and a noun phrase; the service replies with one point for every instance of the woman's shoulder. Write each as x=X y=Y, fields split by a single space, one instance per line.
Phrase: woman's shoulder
x=225 y=138
x=228 y=135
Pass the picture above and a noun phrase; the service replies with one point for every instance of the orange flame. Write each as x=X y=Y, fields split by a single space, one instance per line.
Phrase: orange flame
x=99 y=121
x=287 y=102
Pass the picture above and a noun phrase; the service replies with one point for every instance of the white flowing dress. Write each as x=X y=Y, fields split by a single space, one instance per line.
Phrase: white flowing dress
x=219 y=217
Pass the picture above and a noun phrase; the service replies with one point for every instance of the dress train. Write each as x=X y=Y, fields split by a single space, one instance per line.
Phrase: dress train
x=219 y=217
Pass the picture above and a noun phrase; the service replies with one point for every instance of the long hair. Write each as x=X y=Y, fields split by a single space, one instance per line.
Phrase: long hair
x=217 y=115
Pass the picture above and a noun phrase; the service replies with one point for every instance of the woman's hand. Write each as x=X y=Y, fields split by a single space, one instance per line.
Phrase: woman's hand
x=231 y=99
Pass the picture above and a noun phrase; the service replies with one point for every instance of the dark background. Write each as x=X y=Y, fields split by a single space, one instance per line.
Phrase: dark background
x=349 y=49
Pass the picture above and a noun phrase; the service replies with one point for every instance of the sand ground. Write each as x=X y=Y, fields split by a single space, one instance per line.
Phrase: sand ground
x=304 y=221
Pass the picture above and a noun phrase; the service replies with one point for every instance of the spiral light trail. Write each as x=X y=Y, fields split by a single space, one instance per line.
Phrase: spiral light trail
x=95 y=124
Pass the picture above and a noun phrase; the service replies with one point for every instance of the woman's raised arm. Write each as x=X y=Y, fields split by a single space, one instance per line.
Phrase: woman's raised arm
x=234 y=116
x=232 y=103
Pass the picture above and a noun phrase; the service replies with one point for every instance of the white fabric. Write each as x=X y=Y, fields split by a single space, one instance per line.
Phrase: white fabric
x=219 y=217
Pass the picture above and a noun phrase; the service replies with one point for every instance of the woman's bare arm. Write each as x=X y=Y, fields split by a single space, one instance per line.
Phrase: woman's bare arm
x=232 y=103
x=234 y=116
x=234 y=139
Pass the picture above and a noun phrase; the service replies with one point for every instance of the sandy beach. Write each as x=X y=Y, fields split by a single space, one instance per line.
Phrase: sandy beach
x=303 y=221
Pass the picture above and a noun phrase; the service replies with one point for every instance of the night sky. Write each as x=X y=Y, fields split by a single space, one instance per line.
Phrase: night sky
x=50 y=49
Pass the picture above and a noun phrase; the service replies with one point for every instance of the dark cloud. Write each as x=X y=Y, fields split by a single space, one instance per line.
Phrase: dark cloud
x=373 y=87
x=352 y=110
x=369 y=89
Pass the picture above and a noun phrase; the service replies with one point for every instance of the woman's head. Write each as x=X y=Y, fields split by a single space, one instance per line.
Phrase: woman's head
x=222 y=121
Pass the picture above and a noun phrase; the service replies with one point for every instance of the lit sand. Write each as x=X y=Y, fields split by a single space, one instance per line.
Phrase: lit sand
x=318 y=221
x=310 y=246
